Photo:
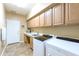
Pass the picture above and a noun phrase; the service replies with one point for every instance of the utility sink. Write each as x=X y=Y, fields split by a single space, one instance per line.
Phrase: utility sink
x=43 y=37
x=36 y=34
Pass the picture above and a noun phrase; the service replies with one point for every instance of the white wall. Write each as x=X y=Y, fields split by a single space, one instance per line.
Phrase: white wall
x=2 y=26
x=2 y=21
x=2 y=15
x=37 y=8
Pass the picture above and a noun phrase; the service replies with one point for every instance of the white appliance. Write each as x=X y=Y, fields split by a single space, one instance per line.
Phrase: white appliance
x=38 y=48
x=13 y=31
x=58 y=47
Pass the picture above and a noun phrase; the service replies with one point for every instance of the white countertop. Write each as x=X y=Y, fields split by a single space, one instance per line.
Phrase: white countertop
x=66 y=45
x=32 y=34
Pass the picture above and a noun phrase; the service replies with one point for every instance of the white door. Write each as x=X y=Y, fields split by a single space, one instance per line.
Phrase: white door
x=13 y=31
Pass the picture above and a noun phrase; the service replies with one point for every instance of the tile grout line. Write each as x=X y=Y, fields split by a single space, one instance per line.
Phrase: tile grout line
x=4 y=50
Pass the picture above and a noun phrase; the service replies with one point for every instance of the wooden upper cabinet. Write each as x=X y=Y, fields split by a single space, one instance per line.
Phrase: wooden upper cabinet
x=36 y=21
x=58 y=14
x=33 y=22
x=48 y=18
x=72 y=13
x=42 y=17
x=29 y=24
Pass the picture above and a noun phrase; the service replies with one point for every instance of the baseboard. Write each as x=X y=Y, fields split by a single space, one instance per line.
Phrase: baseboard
x=21 y=41
x=16 y=42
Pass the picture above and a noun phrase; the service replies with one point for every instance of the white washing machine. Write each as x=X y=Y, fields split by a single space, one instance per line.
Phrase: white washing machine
x=61 y=47
x=39 y=47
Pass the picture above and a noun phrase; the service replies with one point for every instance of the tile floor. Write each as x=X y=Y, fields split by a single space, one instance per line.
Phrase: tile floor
x=18 y=49
x=1 y=48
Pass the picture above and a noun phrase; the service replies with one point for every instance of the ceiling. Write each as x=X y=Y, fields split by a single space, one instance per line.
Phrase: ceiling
x=24 y=8
x=19 y=8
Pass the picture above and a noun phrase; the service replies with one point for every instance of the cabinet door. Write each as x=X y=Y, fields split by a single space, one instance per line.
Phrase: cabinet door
x=30 y=23
x=72 y=13
x=42 y=16
x=58 y=14
x=48 y=18
x=36 y=21
x=26 y=39
x=31 y=42
x=33 y=23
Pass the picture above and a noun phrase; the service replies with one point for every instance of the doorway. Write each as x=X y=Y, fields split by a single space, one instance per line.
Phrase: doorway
x=13 y=31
